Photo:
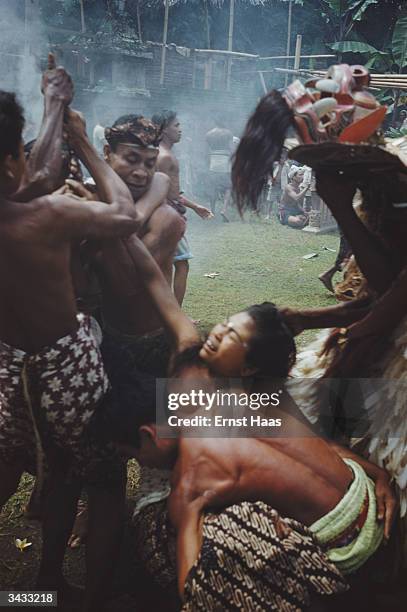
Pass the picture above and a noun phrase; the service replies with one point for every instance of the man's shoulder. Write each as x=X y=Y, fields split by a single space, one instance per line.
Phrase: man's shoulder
x=25 y=209
x=33 y=220
x=166 y=158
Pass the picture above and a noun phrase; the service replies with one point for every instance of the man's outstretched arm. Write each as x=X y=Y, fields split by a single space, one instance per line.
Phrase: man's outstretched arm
x=76 y=219
x=340 y=315
x=200 y=210
x=45 y=161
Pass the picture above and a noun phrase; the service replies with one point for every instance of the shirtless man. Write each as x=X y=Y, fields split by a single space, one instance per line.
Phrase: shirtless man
x=297 y=473
x=168 y=163
x=131 y=327
x=51 y=375
x=132 y=152
x=291 y=212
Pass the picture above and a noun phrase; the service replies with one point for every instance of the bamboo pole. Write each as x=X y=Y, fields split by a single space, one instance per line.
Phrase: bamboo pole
x=225 y=52
x=140 y=34
x=298 y=46
x=230 y=41
x=262 y=81
x=165 y=35
x=290 y=13
x=83 y=24
x=208 y=31
x=277 y=57
x=374 y=82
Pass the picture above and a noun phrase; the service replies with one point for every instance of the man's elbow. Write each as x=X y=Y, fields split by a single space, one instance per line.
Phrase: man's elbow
x=124 y=205
x=126 y=225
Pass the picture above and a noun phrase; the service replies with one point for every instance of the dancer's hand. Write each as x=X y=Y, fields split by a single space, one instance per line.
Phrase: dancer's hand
x=387 y=503
x=56 y=82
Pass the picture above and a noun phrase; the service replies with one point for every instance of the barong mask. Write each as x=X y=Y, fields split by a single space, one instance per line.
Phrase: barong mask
x=335 y=108
x=336 y=118
x=140 y=132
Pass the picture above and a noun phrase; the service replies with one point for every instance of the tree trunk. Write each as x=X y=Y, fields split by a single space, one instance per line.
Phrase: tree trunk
x=287 y=64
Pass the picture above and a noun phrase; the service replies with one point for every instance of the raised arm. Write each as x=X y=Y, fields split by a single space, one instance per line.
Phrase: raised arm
x=44 y=165
x=179 y=327
x=372 y=257
x=109 y=185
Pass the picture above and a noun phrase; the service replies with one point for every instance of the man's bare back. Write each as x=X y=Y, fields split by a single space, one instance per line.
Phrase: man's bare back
x=38 y=304
x=302 y=479
x=300 y=475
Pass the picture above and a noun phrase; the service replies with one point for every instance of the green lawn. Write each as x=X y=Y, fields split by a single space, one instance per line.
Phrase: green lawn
x=256 y=261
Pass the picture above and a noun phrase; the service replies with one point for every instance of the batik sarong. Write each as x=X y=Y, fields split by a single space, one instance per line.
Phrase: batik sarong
x=251 y=559
x=49 y=398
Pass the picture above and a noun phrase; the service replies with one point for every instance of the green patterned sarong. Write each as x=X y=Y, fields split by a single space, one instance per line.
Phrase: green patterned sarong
x=364 y=541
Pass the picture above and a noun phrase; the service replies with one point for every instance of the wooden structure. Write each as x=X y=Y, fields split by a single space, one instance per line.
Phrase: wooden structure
x=321 y=220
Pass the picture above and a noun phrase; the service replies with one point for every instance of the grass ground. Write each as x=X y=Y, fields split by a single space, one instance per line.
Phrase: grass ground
x=256 y=261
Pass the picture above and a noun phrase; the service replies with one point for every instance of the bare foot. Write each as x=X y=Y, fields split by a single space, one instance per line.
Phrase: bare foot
x=326 y=280
x=80 y=528
x=224 y=217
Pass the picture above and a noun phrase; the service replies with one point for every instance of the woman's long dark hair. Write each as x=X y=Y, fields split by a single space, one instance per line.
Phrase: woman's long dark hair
x=259 y=148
